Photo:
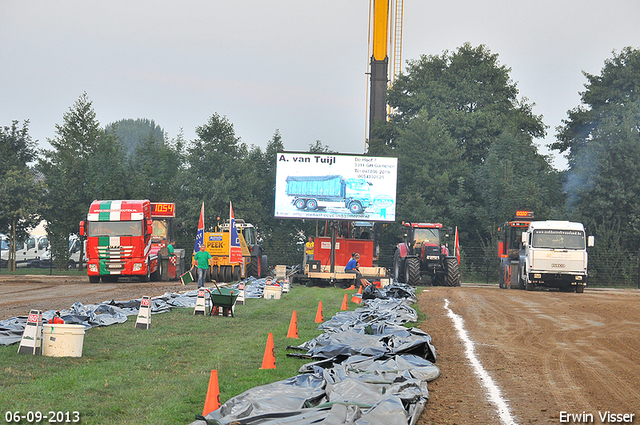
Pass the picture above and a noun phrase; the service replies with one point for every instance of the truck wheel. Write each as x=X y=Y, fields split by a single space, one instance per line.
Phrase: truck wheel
x=398 y=267
x=228 y=273
x=355 y=207
x=528 y=285
x=94 y=279
x=264 y=266
x=147 y=276
x=412 y=271
x=579 y=289
x=157 y=275
x=300 y=204
x=236 y=273
x=312 y=204
x=452 y=278
x=215 y=274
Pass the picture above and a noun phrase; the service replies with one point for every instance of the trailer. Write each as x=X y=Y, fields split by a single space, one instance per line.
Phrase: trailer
x=315 y=192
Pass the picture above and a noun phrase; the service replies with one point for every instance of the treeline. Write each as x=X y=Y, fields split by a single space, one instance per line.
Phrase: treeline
x=463 y=136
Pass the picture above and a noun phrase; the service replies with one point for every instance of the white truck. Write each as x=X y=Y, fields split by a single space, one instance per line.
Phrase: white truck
x=555 y=255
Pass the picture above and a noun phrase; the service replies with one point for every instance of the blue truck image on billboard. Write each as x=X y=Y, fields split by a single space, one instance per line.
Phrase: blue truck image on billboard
x=309 y=191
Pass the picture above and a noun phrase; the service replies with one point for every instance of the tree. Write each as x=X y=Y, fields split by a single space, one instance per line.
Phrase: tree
x=211 y=167
x=133 y=132
x=602 y=141
x=157 y=166
x=86 y=163
x=607 y=96
x=20 y=190
x=470 y=93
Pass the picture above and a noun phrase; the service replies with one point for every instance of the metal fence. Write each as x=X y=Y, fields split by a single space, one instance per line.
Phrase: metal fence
x=480 y=265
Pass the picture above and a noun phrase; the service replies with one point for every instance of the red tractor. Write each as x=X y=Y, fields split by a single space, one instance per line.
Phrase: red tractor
x=423 y=253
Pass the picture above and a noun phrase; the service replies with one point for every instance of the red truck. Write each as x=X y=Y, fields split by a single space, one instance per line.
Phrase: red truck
x=125 y=238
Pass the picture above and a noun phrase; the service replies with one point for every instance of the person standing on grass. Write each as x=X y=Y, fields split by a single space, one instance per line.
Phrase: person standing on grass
x=201 y=259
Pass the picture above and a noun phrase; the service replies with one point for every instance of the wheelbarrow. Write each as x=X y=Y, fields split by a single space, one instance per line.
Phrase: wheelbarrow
x=223 y=298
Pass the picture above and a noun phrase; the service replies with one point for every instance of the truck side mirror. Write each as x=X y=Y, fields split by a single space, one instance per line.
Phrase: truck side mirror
x=149 y=226
x=82 y=228
x=591 y=241
x=523 y=237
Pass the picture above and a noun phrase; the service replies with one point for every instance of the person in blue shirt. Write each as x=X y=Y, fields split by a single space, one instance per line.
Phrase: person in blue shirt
x=352 y=267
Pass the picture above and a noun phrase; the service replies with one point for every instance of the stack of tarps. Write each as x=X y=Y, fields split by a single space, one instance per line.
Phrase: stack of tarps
x=369 y=370
x=101 y=314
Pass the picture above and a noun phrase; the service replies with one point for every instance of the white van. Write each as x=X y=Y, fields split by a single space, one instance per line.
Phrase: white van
x=4 y=250
x=28 y=253
x=74 y=254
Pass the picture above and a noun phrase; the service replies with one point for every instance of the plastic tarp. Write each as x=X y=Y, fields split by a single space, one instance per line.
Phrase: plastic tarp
x=359 y=390
x=372 y=370
x=101 y=314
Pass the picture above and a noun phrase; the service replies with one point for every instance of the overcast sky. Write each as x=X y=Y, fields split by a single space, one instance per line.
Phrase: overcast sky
x=297 y=66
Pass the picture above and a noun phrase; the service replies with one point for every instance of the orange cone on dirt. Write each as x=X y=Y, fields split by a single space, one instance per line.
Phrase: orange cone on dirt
x=344 y=303
x=350 y=288
x=319 y=318
x=269 y=359
x=212 y=401
x=293 y=326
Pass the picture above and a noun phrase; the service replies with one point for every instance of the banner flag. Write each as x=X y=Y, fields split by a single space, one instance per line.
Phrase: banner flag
x=457 y=246
x=235 y=251
x=200 y=234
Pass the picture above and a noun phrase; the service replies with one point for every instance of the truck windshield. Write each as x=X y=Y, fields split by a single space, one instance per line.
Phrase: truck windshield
x=426 y=236
x=558 y=239
x=160 y=230
x=4 y=245
x=115 y=228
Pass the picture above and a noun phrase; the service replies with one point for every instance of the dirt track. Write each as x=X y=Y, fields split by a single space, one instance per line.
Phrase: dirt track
x=548 y=352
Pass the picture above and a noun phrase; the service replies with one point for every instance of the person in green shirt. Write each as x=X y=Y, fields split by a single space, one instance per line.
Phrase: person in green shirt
x=201 y=259
x=170 y=249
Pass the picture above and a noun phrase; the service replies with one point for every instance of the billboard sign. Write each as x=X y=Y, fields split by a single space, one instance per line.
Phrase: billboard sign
x=335 y=187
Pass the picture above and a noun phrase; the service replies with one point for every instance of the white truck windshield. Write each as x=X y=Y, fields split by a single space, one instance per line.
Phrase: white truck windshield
x=558 y=239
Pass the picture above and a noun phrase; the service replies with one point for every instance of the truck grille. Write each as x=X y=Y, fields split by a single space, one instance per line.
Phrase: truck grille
x=114 y=252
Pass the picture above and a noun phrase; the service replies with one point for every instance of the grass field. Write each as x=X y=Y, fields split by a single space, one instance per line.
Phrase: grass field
x=160 y=375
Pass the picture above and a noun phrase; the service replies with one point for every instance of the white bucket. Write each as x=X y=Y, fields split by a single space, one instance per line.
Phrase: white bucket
x=62 y=340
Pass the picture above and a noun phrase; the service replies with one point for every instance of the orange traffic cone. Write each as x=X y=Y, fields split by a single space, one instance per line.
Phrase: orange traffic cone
x=344 y=303
x=356 y=299
x=212 y=401
x=293 y=326
x=269 y=359
x=319 y=318
x=350 y=288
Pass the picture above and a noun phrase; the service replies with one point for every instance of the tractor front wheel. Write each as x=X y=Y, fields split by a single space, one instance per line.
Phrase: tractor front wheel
x=398 y=268
x=412 y=271
x=452 y=278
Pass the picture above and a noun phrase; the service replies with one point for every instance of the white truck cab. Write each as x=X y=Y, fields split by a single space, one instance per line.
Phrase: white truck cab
x=555 y=255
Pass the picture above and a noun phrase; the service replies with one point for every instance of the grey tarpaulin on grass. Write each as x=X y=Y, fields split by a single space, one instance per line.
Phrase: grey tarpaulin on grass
x=373 y=371
x=359 y=390
x=102 y=314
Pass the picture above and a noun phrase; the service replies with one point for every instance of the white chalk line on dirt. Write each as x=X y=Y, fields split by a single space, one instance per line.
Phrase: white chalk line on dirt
x=487 y=382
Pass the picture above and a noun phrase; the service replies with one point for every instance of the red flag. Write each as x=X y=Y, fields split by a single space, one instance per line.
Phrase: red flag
x=457 y=246
x=200 y=234
x=235 y=251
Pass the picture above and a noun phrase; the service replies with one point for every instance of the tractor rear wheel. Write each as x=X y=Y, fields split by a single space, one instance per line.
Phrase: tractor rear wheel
x=254 y=268
x=412 y=271
x=398 y=268
x=452 y=278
